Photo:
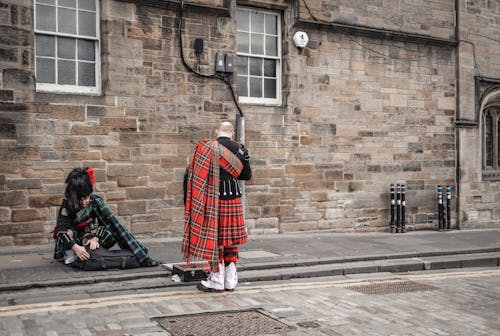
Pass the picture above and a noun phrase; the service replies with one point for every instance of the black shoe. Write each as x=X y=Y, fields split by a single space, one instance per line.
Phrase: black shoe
x=202 y=288
x=229 y=289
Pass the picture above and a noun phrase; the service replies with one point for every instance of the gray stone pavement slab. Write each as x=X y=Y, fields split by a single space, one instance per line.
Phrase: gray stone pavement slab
x=461 y=302
x=31 y=266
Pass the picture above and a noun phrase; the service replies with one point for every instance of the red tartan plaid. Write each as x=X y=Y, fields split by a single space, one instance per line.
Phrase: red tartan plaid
x=201 y=217
x=232 y=230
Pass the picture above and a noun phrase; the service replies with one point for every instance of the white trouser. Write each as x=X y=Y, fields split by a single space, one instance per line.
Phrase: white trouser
x=230 y=277
x=216 y=279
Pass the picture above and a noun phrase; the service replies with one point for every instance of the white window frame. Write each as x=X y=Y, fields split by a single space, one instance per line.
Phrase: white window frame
x=278 y=58
x=65 y=88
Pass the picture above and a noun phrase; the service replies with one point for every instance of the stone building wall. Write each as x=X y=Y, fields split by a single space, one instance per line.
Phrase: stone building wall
x=479 y=57
x=360 y=111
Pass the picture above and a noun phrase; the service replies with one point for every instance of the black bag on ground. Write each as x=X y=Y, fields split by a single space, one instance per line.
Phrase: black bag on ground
x=102 y=259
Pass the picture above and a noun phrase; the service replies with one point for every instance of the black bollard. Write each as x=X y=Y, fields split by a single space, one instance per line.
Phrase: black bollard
x=403 y=208
x=393 y=203
x=440 y=207
x=448 y=208
x=398 y=208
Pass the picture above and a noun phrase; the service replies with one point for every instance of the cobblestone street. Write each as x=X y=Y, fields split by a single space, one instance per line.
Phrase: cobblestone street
x=462 y=302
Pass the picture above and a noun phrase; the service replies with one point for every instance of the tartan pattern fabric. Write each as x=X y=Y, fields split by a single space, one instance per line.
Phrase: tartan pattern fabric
x=124 y=238
x=230 y=254
x=201 y=216
x=232 y=230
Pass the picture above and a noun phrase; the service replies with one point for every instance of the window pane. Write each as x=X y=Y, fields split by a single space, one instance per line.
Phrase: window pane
x=242 y=86
x=242 y=42
x=45 y=45
x=46 y=18
x=86 y=23
x=255 y=87
x=66 y=72
x=86 y=50
x=45 y=70
x=67 y=20
x=50 y=2
x=86 y=4
x=67 y=3
x=498 y=144
x=271 y=24
x=242 y=65
x=271 y=46
x=269 y=68
x=257 y=22
x=86 y=74
x=242 y=21
x=489 y=140
x=257 y=46
x=255 y=66
x=66 y=47
x=269 y=88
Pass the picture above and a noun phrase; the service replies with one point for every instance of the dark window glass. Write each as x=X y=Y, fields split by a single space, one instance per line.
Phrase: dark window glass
x=66 y=47
x=45 y=70
x=488 y=133
x=255 y=87
x=86 y=74
x=243 y=86
x=45 y=18
x=86 y=50
x=269 y=88
x=45 y=45
x=66 y=72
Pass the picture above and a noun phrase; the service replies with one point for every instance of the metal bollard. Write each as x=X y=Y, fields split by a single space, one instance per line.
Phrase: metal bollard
x=393 y=203
x=403 y=208
x=440 y=208
x=398 y=208
x=448 y=207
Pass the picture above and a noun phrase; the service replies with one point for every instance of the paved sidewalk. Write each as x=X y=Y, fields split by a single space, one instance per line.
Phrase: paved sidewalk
x=275 y=257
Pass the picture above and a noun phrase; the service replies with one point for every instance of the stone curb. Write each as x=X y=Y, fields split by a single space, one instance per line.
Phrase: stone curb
x=304 y=268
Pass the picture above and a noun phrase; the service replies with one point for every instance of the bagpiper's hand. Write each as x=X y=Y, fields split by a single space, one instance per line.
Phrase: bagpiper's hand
x=243 y=152
x=81 y=253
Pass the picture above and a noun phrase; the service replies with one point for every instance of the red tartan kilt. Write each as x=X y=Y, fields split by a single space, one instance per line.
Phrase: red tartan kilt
x=232 y=230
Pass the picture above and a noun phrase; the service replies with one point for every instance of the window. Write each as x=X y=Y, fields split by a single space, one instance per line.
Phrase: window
x=67 y=46
x=491 y=139
x=259 y=56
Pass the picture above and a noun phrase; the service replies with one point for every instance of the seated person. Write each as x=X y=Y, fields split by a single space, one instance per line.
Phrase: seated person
x=85 y=224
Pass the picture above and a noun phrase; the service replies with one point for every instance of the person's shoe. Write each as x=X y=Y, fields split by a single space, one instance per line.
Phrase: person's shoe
x=230 y=277
x=215 y=280
x=205 y=289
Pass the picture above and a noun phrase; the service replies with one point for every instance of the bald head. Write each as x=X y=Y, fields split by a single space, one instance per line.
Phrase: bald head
x=225 y=129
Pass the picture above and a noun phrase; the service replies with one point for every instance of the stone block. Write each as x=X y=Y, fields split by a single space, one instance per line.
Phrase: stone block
x=13 y=36
x=131 y=208
x=71 y=143
x=8 y=55
x=116 y=153
x=145 y=193
x=7 y=130
x=13 y=198
x=266 y=223
x=27 y=215
x=20 y=228
x=128 y=169
x=18 y=79
x=119 y=122
x=65 y=112
x=6 y=95
x=24 y=184
x=299 y=169
x=5 y=214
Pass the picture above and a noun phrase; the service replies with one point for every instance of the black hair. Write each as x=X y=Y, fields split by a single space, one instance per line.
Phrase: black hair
x=78 y=185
